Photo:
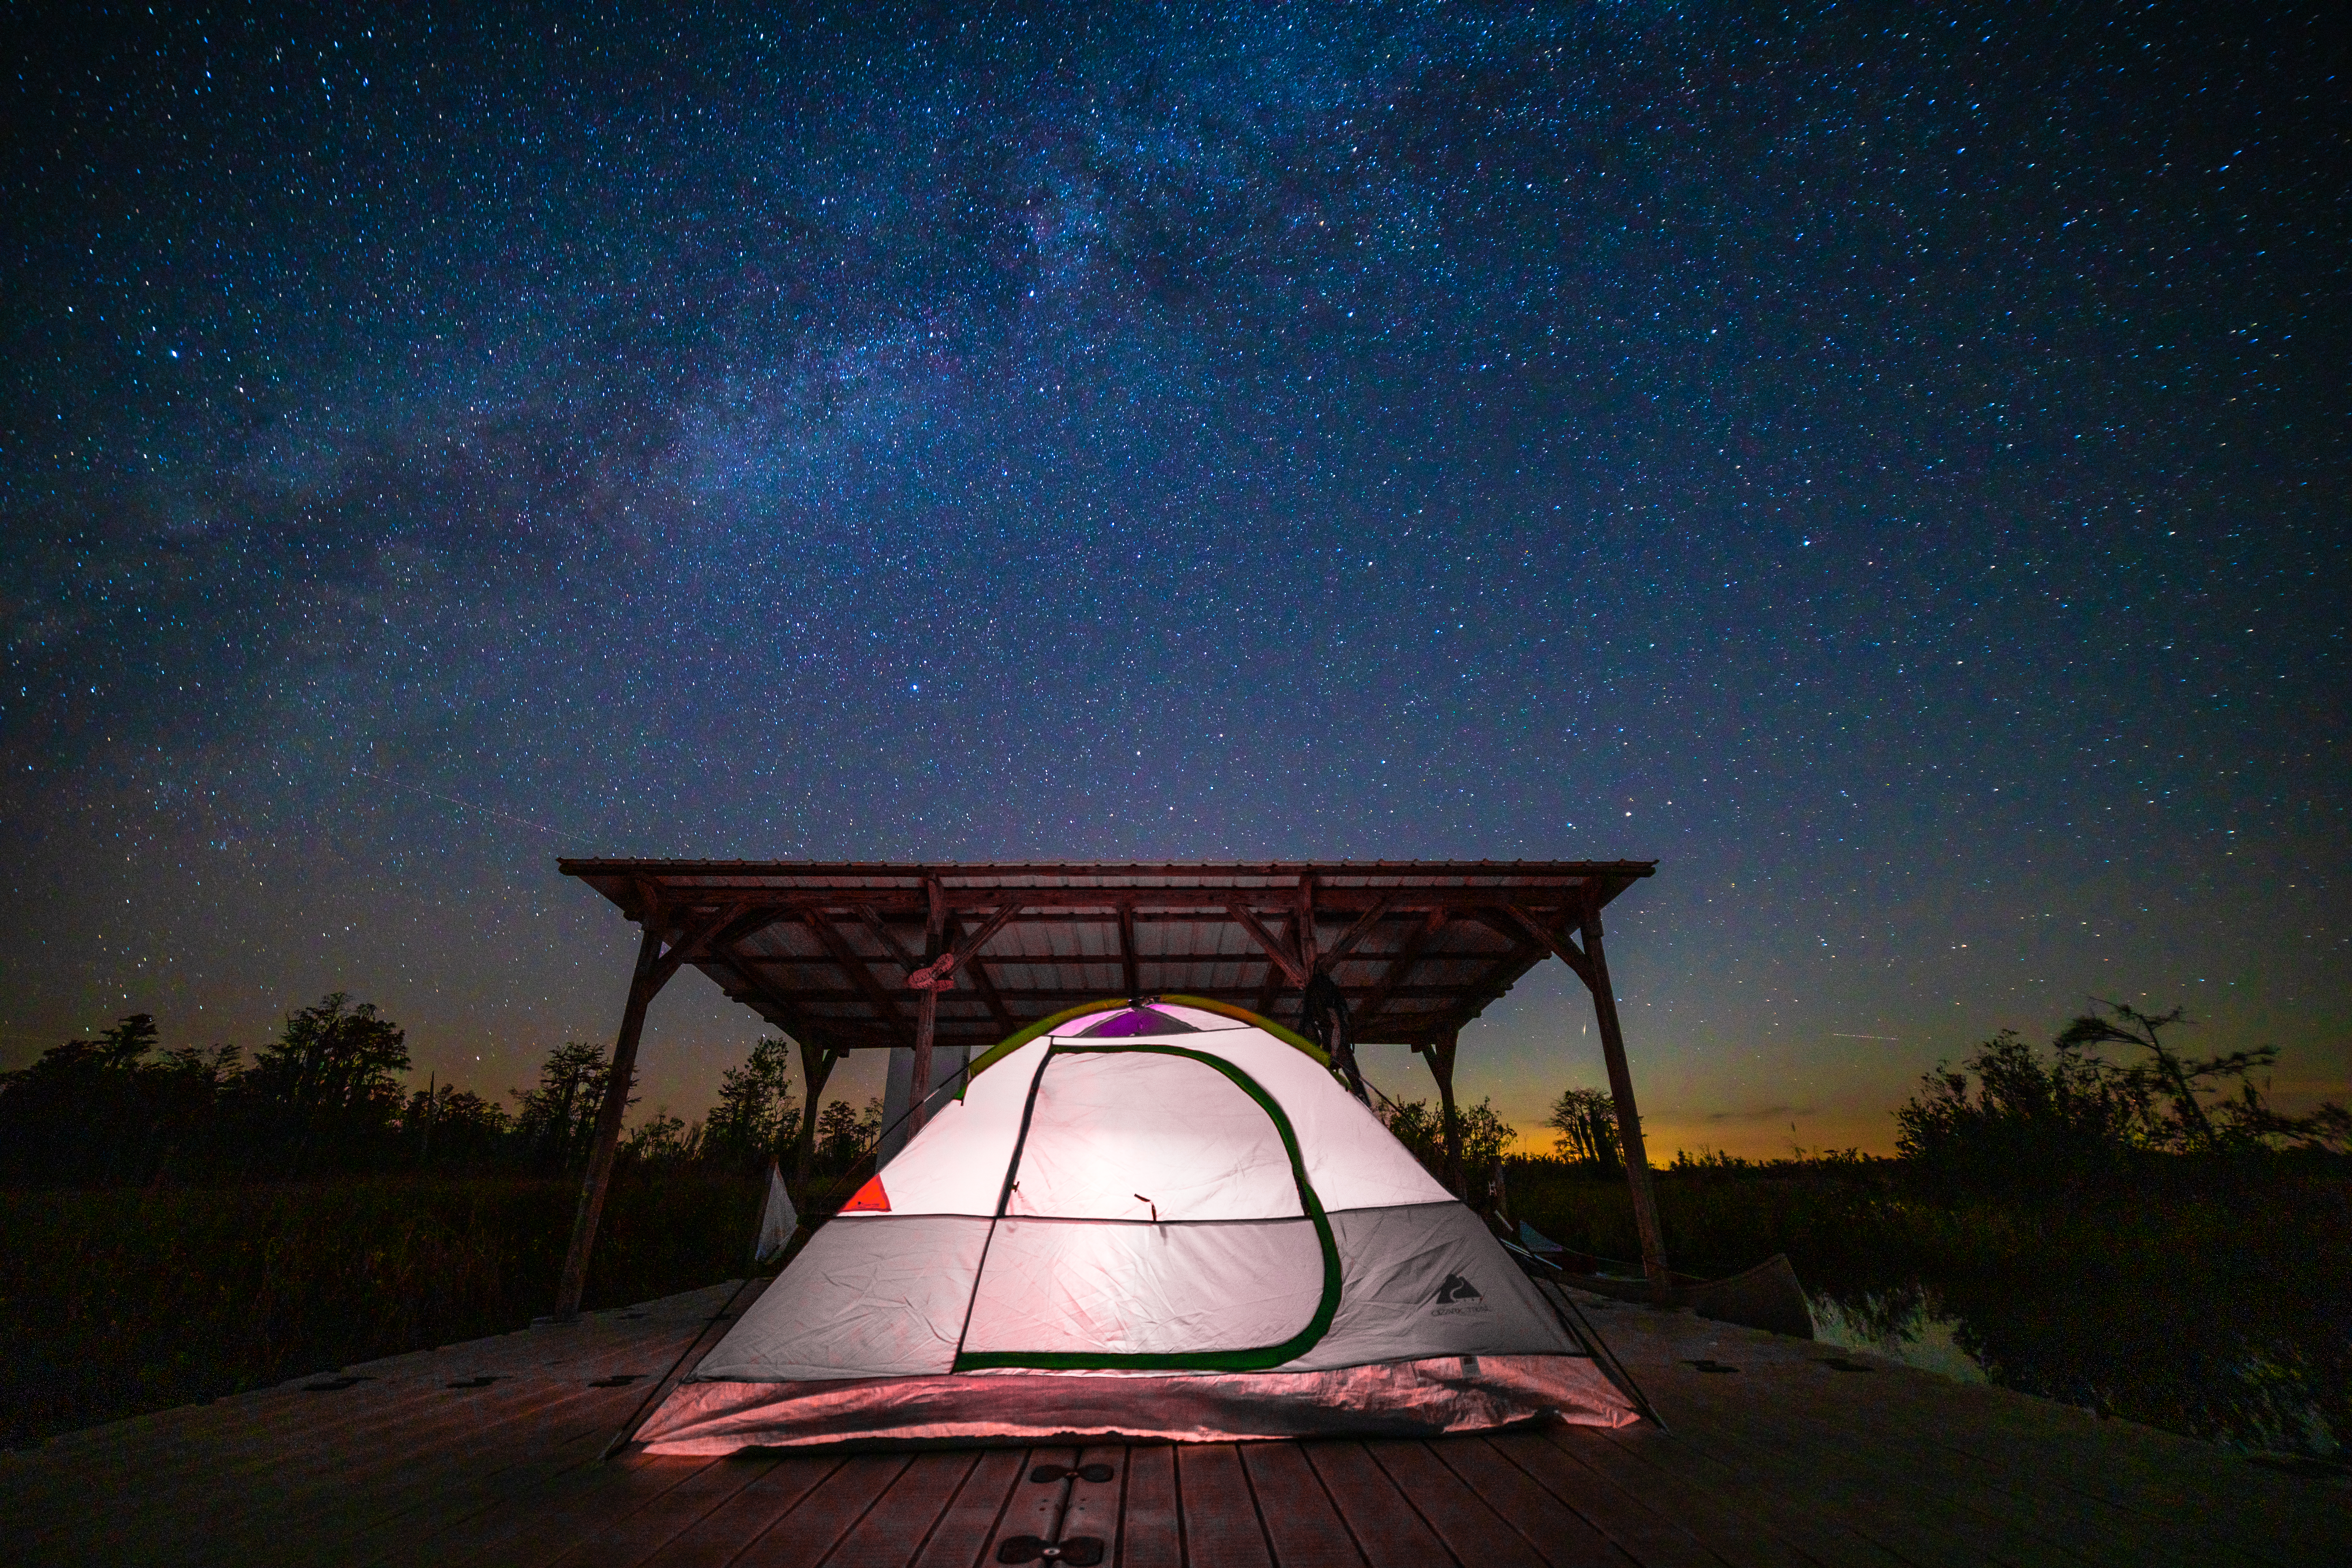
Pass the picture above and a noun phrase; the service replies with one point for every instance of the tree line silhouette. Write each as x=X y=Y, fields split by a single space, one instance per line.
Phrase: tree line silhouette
x=330 y=1096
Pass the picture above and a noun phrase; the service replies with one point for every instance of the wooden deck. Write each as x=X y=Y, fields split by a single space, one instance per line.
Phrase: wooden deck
x=486 y=1452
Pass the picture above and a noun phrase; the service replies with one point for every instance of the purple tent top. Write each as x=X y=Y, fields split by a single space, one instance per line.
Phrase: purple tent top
x=1137 y=1021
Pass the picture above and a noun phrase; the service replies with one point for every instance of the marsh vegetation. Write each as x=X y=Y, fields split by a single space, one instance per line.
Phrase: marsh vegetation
x=2104 y=1222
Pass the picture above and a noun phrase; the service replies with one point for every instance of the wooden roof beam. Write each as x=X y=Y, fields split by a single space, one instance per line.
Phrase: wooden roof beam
x=973 y=901
x=1127 y=951
x=977 y=967
x=1356 y=932
x=1279 y=952
x=1369 y=1011
x=1559 y=944
x=859 y=973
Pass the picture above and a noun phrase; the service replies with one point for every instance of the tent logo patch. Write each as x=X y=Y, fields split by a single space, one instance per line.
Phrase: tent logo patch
x=1457 y=1298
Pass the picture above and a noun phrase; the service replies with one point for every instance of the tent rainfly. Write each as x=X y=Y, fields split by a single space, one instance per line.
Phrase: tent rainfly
x=1152 y=1218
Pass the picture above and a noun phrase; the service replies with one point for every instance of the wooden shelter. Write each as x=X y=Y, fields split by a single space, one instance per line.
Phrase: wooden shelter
x=849 y=956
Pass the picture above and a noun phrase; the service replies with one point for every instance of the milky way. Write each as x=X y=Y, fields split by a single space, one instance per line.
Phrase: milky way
x=1888 y=465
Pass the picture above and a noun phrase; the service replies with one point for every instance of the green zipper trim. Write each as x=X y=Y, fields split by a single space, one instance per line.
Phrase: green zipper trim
x=1005 y=1047
x=1245 y=1359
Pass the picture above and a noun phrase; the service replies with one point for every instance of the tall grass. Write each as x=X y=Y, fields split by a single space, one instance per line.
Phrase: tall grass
x=117 y=1301
x=2204 y=1296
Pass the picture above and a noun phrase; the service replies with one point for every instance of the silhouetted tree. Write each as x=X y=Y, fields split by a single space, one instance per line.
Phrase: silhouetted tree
x=1585 y=1121
x=330 y=1081
x=757 y=1116
x=449 y=1126
x=1421 y=1128
x=2075 y=1113
x=662 y=1140
x=2238 y=1115
x=101 y=1111
x=557 y=1119
x=843 y=1133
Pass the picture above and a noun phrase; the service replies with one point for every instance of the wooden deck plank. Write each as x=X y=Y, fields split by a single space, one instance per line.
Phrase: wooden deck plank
x=816 y=1526
x=1818 y=1536
x=718 y=1538
x=1558 y=1534
x=528 y=1522
x=273 y=1437
x=342 y=1507
x=1948 y=1520
x=429 y=1509
x=1722 y=1528
x=1786 y=1465
x=1151 y=1529
x=628 y=1541
x=1222 y=1529
x=967 y=1533
x=2177 y=1483
x=604 y=1505
x=1471 y=1530
x=479 y=1519
x=1641 y=1532
x=1387 y=1528
x=168 y=1446
x=254 y=1497
x=2067 y=1463
x=1095 y=1505
x=1860 y=1440
x=1300 y=1519
x=900 y=1521
x=1030 y=1512
x=1923 y=1540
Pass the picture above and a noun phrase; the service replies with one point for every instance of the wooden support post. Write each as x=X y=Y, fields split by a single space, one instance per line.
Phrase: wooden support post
x=1129 y=971
x=1441 y=1065
x=927 y=1010
x=1629 y=1116
x=816 y=1065
x=651 y=973
x=926 y=1023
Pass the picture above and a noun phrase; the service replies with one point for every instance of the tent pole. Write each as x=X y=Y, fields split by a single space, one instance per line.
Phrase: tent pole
x=1629 y=1117
x=1441 y=1065
x=649 y=979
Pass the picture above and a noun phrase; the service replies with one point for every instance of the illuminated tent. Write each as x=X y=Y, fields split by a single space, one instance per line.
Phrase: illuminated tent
x=1156 y=1221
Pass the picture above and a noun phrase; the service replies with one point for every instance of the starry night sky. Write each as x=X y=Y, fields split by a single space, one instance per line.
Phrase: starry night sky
x=1888 y=464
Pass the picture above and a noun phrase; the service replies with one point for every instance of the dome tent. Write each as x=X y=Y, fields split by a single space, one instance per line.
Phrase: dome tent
x=1163 y=1220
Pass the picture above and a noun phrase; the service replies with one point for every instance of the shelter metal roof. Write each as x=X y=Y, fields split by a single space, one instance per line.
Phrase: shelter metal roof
x=823 y=950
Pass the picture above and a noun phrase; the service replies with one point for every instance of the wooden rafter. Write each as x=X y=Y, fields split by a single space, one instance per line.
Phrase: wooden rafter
x=1368 y=1011
x=998 y=919
x=887 y=938
x=1364 y=926
x=1557 y=944
x=1278 y=952
x=977 y=967
x=1492 y=982
x=694 y=940
x=859 y=973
